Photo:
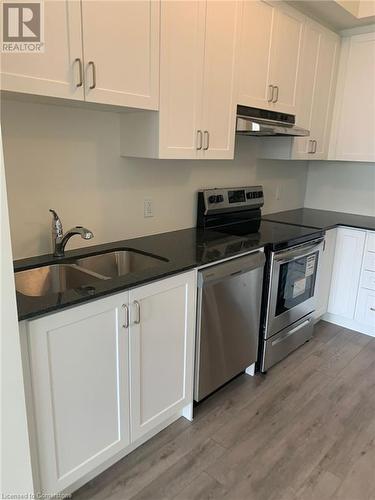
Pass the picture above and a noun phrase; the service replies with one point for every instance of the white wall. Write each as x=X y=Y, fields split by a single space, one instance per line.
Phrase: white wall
x=341 y=186
x=16 y=476
x=68 y=158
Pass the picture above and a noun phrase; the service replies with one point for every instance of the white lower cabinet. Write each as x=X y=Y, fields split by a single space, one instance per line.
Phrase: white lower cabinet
x=365 y=312
x=80 y=382
x=324 y=278
x=352 y=297
x=346 y=272
x=100 y=382
x=162 y=351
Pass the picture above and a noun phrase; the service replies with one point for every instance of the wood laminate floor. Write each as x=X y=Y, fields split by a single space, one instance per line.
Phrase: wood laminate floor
x=305 y=431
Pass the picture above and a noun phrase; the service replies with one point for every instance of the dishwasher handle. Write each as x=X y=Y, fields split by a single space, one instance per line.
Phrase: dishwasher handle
x=231 y=268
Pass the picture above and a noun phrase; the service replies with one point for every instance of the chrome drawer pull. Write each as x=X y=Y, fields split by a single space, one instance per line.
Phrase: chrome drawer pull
x=80 y=82
x=138 y=311
x=270 y=93
x=92 y=64
x=126 y=319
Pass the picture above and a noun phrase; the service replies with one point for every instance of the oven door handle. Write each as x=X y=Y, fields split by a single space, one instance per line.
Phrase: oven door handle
x=284 y=257
x=292 y=331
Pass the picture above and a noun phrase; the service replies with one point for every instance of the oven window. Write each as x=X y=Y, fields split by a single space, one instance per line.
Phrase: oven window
x=296 y=282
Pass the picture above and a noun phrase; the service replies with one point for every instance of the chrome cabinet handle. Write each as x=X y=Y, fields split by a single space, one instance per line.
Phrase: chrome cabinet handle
x=207 y=140
x=126 y=318
x=275 y=99
x=80 y=72
x=270 y=93
x=199 y=140
x=315 y=146
x=138 y=311
x=92 y=64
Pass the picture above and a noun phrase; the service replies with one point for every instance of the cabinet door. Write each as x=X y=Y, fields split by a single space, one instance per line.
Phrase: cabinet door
x=219 y=105
x=54 y=72
x=365 y=311
x=324 y=278
x=315 y=90
x=285 y=58
x=79 y=370
x=353 y=129
x=254 y=53
x=161 y=350
x=323 y=93
x=181 y=69
x=306 y=87
x=121 y=51
x=346 y=272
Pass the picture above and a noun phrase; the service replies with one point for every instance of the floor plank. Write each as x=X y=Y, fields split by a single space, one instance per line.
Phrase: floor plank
x=304 y=431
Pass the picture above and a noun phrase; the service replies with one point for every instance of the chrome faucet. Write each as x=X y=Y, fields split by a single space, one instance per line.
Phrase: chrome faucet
x=59 y=239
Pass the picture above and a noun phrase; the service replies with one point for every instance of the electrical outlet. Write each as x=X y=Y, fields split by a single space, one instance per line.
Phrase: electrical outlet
x=148 y=208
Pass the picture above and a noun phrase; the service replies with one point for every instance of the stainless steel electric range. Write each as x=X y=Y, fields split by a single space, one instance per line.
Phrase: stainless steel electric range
x=291 y=269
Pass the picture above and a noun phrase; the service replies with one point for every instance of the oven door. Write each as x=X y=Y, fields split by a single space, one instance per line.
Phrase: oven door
x=292 y=287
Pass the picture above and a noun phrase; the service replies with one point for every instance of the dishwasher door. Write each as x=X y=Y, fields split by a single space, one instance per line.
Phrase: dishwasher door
x=229 y=299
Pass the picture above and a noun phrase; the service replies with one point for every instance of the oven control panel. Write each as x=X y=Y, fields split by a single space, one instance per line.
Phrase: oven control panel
x=226 y=198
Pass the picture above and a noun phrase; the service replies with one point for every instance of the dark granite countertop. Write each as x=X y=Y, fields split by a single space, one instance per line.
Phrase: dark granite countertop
x=322 y=219
x=182 y=250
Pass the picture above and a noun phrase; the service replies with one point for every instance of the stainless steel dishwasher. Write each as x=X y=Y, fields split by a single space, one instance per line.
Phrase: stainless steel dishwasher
x=229 y=299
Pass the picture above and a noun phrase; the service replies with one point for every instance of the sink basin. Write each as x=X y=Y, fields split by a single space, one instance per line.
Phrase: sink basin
x=53 y=279
x=118 y=263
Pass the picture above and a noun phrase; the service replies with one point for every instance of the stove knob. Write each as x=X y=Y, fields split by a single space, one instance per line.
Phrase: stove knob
x=249 y=195
x=219 y=198
x=212 y=199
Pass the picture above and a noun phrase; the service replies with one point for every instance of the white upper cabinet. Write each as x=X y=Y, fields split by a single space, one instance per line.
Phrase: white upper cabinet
x=80 y=382
x=181 y=63
x=197 y=86
x=315 y=91
x=285 y=58
x=58 y=70
x=219 y=106
x=254 y=54
x=99 y=51
x=353 y=128
x=120 y=49
x=269 y=56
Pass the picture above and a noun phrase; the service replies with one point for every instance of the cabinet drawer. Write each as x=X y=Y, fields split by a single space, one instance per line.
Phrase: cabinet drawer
x=369 y=264
x=368 y=280
x=365 y=311
x=370 y=247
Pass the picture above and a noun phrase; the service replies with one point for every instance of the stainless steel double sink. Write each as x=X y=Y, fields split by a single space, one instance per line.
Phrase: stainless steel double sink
x=82 y=272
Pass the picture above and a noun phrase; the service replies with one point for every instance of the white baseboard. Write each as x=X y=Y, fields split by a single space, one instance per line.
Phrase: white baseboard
x=349 y=323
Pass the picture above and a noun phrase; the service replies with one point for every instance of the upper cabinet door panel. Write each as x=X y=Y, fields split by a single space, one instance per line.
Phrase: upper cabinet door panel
x=121 y=38
x=181 y=68
x=306 y=88
x=54 y=71
x=219 y=106
x=286 y=52
x=322 y=102
x=355 y=101
x=254 y=53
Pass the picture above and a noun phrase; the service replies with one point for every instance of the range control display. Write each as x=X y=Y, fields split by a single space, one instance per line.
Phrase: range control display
x=237 y=196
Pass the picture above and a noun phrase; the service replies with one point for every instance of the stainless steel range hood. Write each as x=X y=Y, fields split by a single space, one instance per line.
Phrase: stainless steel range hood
x=262 y=122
